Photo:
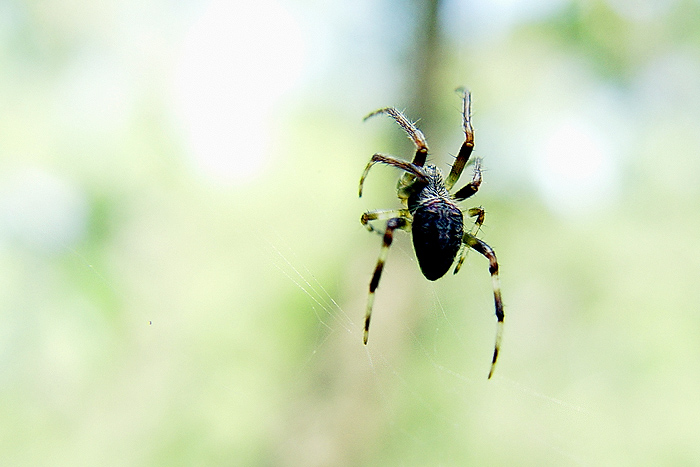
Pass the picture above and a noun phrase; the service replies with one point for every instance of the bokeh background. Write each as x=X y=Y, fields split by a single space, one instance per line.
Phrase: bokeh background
x=183 y=273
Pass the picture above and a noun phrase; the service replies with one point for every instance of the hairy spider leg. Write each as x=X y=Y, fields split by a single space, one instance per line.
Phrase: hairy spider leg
x=409 y=167
x=391 y=225
x=474 y=243
x=472 y=187
x=467 y=147
x=370 y=216
x=413 y=133
x=480 y=215
x=399 y=219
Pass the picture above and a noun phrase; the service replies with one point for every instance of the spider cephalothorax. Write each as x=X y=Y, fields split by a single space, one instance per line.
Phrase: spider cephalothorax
x=431 y=214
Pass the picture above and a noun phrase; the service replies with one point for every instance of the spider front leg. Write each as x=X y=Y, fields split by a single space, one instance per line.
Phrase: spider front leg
x=391 y=225
x=468 y=146
x=414 y=133
x=474 y=243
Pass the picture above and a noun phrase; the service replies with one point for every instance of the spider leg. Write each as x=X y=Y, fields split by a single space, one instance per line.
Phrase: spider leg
x=413 y=133
x=391 y=225
x=481 y=247
x=409 y=167
x=370 y=216
x=467 y=147
x=472 y=187
x=480 y=215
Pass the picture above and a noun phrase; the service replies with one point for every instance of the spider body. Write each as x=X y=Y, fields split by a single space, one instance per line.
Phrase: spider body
x=430 y=212
x=438 y=226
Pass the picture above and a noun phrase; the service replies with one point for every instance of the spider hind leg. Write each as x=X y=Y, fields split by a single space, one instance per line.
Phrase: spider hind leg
x=485 y=250
x=480 y=215
x=391 y=225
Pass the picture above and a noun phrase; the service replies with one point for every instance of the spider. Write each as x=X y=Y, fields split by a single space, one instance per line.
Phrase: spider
x=430 y=213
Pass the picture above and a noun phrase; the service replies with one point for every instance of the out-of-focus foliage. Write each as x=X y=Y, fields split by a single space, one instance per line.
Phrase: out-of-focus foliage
x=184 y=273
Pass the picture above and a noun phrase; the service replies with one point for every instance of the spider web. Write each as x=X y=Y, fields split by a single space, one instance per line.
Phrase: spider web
x=405 y=410
x=416 y=396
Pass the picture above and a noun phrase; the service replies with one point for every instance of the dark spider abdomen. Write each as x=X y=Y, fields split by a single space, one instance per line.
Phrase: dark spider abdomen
x=437 y=232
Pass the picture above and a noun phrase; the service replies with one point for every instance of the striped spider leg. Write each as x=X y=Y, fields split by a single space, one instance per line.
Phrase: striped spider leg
x=430 y=213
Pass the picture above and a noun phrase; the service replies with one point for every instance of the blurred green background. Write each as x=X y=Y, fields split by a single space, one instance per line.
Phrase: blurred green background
x=184 y=275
